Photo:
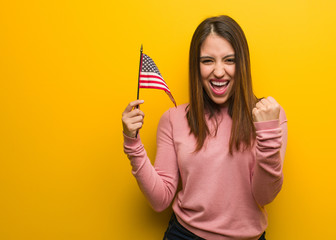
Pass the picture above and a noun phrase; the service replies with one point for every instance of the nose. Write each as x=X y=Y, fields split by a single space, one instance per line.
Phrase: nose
x=219 y=71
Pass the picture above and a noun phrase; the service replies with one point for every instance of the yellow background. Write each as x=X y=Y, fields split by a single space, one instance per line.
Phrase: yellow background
x=69 y=68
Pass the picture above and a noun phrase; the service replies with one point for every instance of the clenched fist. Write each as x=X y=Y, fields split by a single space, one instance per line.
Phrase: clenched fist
x=132 y=119
x=265 y=110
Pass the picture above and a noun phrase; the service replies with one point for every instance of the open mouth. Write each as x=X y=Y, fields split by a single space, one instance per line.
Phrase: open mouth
x=219 y=87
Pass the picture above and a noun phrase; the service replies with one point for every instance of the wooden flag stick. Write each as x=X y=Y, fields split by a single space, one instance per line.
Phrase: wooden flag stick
x=138 y=93
x=140 y=65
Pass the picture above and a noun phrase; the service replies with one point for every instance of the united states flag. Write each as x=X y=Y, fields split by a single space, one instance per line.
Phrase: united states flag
x=150 y=77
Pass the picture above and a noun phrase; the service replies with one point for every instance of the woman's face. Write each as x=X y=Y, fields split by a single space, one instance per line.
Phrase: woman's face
x=217 y=66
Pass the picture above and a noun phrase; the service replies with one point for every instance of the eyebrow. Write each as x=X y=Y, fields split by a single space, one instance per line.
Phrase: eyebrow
x=230 y=55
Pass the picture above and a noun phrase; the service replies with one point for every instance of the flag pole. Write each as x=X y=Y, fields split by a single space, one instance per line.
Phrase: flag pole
x=138 y=93
x=140 y=65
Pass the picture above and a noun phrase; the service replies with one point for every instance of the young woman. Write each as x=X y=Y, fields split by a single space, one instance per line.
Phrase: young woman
x=226 y=146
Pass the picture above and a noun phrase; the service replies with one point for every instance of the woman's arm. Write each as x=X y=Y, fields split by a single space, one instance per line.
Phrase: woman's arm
x=271 y=141
x=158 y=183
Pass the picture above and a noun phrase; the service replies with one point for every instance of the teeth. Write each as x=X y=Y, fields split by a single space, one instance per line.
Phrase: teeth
x=220 y=84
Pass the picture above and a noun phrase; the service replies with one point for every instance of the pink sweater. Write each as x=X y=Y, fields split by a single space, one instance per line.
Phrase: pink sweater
x=222 y=196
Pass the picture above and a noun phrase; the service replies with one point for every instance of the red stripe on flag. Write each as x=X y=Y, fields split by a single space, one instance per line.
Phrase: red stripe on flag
x=151 y=76
x=153 y=85
x=164 y=89
x=153 y=81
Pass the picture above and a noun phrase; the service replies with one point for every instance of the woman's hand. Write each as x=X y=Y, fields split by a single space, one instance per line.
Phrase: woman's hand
x=265 y=110
x=132 y=119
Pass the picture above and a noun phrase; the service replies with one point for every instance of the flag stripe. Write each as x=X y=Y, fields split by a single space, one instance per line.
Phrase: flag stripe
x=151 y=74
x=154 y=85
x=150 y=80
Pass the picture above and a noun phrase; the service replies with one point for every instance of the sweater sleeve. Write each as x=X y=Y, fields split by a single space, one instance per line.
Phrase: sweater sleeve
x=267 y=176
x=159 y=182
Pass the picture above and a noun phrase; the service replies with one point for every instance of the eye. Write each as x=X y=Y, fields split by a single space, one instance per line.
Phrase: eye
x=206 y=61
x=230 y=60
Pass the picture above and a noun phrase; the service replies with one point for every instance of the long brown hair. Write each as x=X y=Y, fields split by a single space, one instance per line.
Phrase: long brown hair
x=242 y=99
